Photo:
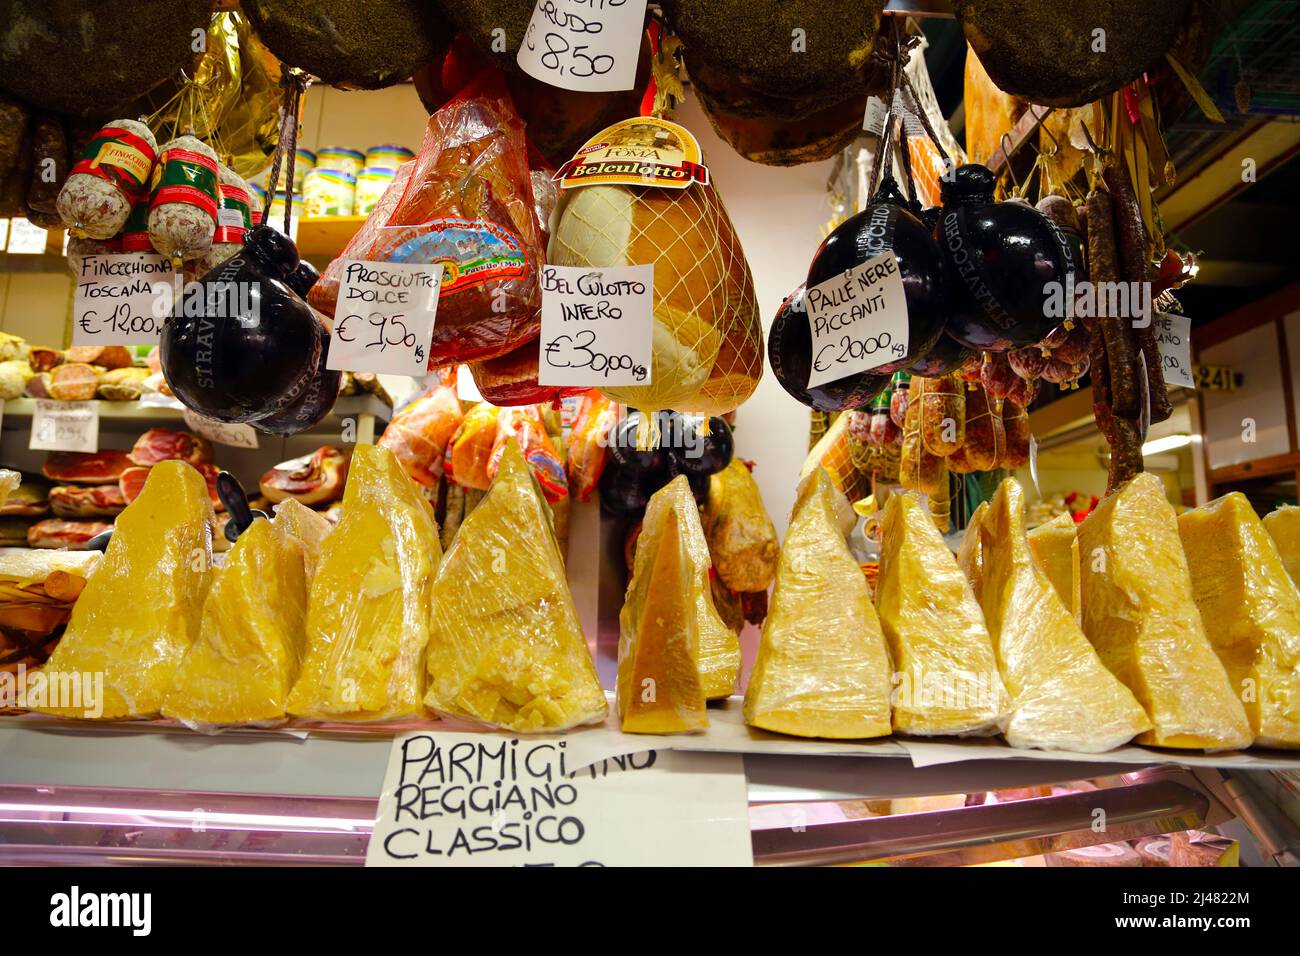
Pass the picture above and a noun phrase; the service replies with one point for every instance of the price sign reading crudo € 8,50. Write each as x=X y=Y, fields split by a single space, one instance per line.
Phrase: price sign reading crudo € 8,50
x=597 y=325
x=858 y=320
x=384 y=318
x=121 y=299
x=584 y=44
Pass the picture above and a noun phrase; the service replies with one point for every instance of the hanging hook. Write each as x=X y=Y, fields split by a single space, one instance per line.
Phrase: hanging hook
x=1005 y=143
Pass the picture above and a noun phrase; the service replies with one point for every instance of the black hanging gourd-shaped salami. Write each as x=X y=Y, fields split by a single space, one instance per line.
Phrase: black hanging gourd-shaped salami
x=789 y=352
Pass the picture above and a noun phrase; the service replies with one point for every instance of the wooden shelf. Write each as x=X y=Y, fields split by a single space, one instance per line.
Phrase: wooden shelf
x=326 y=236
x=352 y=406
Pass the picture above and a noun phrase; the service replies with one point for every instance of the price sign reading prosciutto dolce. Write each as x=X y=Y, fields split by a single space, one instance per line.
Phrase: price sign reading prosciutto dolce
x=597 y=325
x=121 y=299
x=584 y=44
x=858 y=320
x=384 y=318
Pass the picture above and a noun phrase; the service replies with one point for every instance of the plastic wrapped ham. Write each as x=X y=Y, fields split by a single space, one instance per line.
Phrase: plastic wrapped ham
x=468 y=204
x=418 y=435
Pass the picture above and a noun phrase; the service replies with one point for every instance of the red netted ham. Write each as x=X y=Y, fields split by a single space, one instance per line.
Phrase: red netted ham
x=76 y=501
x=317 y=481
x=56 y=533
x=419 y=433
x=86 y=467
x=132 y=482
x=163 y=444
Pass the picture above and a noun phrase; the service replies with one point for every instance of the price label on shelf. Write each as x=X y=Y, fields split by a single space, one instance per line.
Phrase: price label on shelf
x=858 y=320
x=383 y=322
x=597 y=325
x=1174 y=336
x=121 y=299
x=589 y=45
x=222 y=433
x=65 y=426
x=467 y=799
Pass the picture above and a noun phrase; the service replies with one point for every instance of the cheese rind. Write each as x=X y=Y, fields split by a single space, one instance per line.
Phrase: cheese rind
x=368 y=609
x=506 y=648
x=1283 y=526
x=251 y=636
x=1055 y=548
x=1251 y=610
x=1062 y=696
x=946 y=675
x=1140 y=615
x=969 y=556
x=140 y=611
x=823 y=667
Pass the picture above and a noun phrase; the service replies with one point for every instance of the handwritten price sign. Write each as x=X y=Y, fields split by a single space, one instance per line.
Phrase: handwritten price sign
x=597 y=325
x=584 y=44
x=64 y=426
x=121 y=299
x=1174 y=337
x=384 y=319
x=858 y=320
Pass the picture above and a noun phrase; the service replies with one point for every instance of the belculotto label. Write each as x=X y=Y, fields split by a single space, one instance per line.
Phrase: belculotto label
x=118 y=156
x=642 y=151
x=184 y=176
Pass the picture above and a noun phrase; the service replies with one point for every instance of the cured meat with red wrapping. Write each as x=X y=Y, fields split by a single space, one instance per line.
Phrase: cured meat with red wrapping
x=86 y=467
x=468 y=206
x=419 y=433
x=512 y=379
x=56 y=533
x=163 y=444
x=76 y=501
x=317 y=482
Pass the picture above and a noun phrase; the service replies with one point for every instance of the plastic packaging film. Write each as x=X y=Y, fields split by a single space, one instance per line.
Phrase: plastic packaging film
x=970 y=555
x=1251 y=610
x=947 y=676
x=741 y=536
x=589 y=443
x=1062 y=696
x=823 y=669
x=1140 y=615
x=159 y=566
x=719 y=648
x=419 y=434
x=708 y=338
x=1055 y=548
x=368 y=610
x=1283 y=526
x=506 y=648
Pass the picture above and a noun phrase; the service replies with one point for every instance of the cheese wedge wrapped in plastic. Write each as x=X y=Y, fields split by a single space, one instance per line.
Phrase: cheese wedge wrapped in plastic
x=946 y=676
x=970 y=557
x=741 y=536
x=822 y=668
x=506 y=648
x=1251 y=611
x=1139 y=613
x=309 y=528
x=719 y=652
x=707 y=353
x=1055 y=548
x=251 y=638
x=1283 y=526
x=1062 y=696
x=140 y=611
x=660 y=685
x=368 y=609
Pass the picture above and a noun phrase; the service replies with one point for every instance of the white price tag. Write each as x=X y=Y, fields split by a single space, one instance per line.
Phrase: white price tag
x=1033 y=464
x=384 y=318
x=597 y=325
x=584 y=44
x=26 y=237
x=858 y=320
x=230 y=218
x=65 y=426
x=223 y=433
x=121 y=299
x=1174 y=336
x=466 y=799
x=466 y=387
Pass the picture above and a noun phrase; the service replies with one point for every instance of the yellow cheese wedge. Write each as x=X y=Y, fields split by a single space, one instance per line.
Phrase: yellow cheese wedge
x=310 y=528
x=660 y=685
x=368 y=609
x=946 y=677
x=1283 y=526
x=822 y=669
x=506 y=648
x=1062 y=696
x=1251 y=611
x=1056 y=552
x=719 y=645
x=251 y=637
x=1139 y=613
x=140 y=611
x=969 y=557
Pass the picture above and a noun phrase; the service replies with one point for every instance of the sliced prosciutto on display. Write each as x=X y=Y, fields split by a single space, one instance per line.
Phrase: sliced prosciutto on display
x=72 y=501
x=73 y=535
x=86 y=467
x=163 y=444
